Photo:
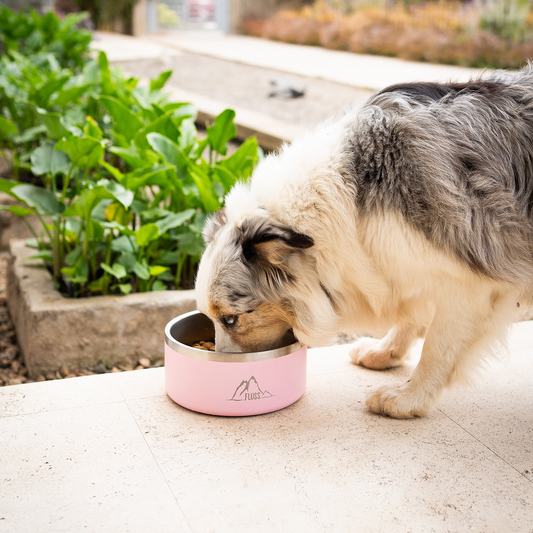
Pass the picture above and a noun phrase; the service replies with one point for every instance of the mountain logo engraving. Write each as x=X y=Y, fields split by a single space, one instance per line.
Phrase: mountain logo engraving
x=249 y=390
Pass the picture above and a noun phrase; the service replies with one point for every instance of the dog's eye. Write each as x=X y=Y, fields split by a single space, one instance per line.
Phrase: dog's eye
x=230 y=320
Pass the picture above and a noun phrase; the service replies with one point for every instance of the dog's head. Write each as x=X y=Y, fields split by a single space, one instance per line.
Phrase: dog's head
x=245 y=278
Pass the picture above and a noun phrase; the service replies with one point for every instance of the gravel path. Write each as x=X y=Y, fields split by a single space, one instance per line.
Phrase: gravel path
x=249 y=87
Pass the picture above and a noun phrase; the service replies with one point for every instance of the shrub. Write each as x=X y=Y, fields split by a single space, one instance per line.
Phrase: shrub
x=125 y=182
x=498 y=36
x=46 y=37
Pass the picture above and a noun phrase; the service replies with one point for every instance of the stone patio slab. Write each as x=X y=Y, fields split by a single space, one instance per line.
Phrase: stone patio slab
x=119 y=455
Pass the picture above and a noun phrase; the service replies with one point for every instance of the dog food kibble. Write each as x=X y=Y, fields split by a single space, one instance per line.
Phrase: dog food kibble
x=203 y=345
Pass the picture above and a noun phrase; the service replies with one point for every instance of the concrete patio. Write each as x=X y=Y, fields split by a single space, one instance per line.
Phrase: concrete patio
x=112 y=453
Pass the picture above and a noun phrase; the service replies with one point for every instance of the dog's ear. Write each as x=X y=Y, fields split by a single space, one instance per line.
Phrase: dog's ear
x=262 y=240
x=213 y=225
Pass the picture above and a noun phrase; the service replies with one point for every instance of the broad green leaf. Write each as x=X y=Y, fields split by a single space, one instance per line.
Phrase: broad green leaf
x=174 y=220
x=159 y=82
x=163 y=125
x=226 y=177
x=92 y=129
x=146 y=234
x=170 y=151
x=97 y=285
x=199 y=222
x=168 y=258
x=71 y=20
x=71 y=94
x=124 y=245
x=208 y=196
x=127 y=260
x=125 y=121
x=45 y=255
x=222 y=131
x=166 y=276
x=7 y=185
x=17 y=210
x=73 y=255
x=121 y=194
x=99 y=212
x=53 y=124
x=116 y=213
x=156 y=212
x=46 y=160
x=50 y=87
x=135 y=157
x=116 y=270
x=243 y=161
x=103 y=61
x=125 y=288
x=155 y=270
x=115 y=172
x=141 y=271
x=95 y=230
x=45 y=202
x=187 y=134
x=8 y=126
x=84 y=204
x=83 y=151
x=79 y=273
x=219 y=189
x=158 y=286
x=147 y=176
x=29 y=135
x=191 y=243
x=91 y=73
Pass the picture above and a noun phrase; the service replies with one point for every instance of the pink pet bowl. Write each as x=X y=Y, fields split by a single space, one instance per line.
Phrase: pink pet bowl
x=230 y=384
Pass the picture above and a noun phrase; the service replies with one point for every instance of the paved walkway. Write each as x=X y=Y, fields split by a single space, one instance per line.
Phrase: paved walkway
x=365 y=71
x=361 y=71
x=112 y=453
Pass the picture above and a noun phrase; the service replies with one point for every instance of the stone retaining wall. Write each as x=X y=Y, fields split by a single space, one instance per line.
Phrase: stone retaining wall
x=54 y=331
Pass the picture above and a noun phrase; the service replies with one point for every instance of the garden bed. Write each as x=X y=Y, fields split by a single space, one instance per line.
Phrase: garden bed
x=56 y=332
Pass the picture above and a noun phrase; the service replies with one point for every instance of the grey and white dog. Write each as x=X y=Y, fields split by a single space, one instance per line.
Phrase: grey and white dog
x=412 y=215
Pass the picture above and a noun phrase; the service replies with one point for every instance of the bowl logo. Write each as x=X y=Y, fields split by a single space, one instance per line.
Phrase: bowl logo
x=249 y=390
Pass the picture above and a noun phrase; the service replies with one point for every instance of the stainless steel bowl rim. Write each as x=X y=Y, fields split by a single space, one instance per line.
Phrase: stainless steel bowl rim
x=223 y=357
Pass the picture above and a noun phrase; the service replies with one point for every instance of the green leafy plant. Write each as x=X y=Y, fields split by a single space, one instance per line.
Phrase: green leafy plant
x=121 y=180
x=31 y=34
x=40 y=69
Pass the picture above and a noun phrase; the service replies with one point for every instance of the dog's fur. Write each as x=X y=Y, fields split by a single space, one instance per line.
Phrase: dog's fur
x=412 y=214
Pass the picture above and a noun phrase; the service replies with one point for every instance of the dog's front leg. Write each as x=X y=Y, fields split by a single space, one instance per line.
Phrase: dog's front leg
x=389 y=351
x=453 y=344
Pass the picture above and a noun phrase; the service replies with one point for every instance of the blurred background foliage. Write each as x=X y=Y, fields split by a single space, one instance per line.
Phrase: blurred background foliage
x=477 y=33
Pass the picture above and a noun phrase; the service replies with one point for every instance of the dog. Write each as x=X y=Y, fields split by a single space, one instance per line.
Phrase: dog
x=409 y=218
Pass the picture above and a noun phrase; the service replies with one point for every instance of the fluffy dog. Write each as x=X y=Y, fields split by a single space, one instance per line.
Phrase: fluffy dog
x=412 y=215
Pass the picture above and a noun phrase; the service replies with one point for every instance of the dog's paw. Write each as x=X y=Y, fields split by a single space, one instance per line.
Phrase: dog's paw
x=369 y=353
x=397 y=401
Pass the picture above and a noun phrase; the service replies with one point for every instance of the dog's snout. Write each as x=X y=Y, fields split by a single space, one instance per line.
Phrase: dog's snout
x=223 y=342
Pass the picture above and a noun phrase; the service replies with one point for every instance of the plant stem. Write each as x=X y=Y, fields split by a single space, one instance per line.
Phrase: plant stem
x=106 y=280
x=30 y=227
x=66 y=182
x=179 y=268
x=57 y=249
x=44 y=227
x=150 y=283
x=14 y=161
